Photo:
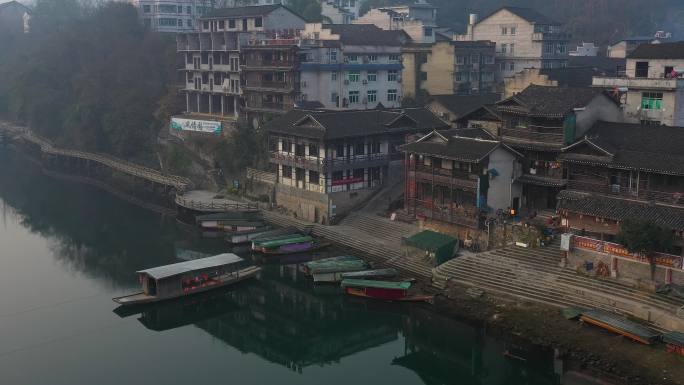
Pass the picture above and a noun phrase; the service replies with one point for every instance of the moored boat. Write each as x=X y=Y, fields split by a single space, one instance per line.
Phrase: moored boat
x=371 y=274
x=385 y=290
x=246 y=236
x=258 y=243
x=674 y=342
x=187 y=278
x=332 y=270
x=620 y=325
x=230 y=221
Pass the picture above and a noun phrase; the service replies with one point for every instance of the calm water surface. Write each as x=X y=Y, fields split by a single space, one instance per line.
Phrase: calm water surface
x=67 y=249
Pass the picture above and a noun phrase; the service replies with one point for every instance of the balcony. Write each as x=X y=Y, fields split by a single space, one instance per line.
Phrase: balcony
x=274 y=86
x=531 y=135
x=368 y=160
x=671 y=198
x=277 y=108
x=551 y=36
x=453 y=178
x=662 y=84
x=255 y=65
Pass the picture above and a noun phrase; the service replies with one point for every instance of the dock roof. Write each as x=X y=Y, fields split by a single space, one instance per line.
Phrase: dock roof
x=196 y=264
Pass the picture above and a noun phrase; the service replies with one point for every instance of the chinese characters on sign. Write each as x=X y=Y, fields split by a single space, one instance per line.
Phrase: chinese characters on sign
x=208 y=126
x=618 y=250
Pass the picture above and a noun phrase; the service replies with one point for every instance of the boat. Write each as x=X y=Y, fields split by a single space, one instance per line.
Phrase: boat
x=288 y=245
x=258 y=243
x=385 y=290
x=295 y=248
x=620 y=325
x=246 y=236
x=332 y=270
x=306 y=268
x=371 y=274
x=187 y=278
x=230 y=221
x=674 y=342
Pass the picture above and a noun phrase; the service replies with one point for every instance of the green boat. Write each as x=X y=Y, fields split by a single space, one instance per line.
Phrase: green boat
x=258 y=243
x=285 y=241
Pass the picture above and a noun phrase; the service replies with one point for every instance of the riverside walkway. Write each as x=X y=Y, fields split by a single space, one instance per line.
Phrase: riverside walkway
x=180 y=184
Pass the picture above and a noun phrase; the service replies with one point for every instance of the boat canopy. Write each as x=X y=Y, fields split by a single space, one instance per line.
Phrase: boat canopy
x=621 y=323
x=376 y=284
x=675 y=338
x=196 y=264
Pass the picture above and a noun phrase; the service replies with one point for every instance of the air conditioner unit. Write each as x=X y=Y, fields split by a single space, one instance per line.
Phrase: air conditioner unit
x=615 y=188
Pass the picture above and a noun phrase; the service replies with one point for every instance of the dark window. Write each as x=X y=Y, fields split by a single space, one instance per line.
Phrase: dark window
x=217 y=79
x=205 y=78
x=668 y=71
x=287 y=146
x=188 y=10
x=205 y=58
x=359 y=149
x=314 y=177
x=437 y=162
x=299 y=150
x=222 y=24
x=205 y=25
x=340 y=150
x=641 y=69
x=244 y=24
x=146 y=8
x=188 y=58
x=231 y=23
x=287 y=172
x=423 y=75
x=375 y=148
x=299 y=173
x=358 y=173
x=337 y=175
x=313 y=150
x=258 y=22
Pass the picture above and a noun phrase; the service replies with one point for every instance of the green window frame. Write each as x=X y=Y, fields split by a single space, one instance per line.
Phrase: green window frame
x=651 y=100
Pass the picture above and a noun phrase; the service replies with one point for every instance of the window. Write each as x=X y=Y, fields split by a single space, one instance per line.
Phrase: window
x=512 y=30
x=333 y=55
x=333 y=76
x=502 y=66
x=504 y=30
x=489 y=59
x=334 y=98
x=337 y=175
x=460 y=60
x=287 y=171
x=428 y=31
x=353 y=96
x=359 y=148
x=205 y=25
x=487 y=76
x=504 y=48
x=188 y=9
x=375 y=148
x=231 y=23
x=352 y=58
x=221 y=24
x=300 y=150
x=189 y=23
x=146 y=9
x=234 y=64
x=423 y=76
x=562 y=48
x=287 y=146
x=147 y=22
x=641 y=69
x=164 y=21
x=339 y=151
x=512 y=48
x=258 y=22
x=462 y=76
x=511 y=66
x=353 y=76
x=372 y=76
x=180 y=22
x=392 y=95
x=548 y=48
x=392 y=75
x=358 y=173
x=314 y=177
x=372 y=58
x=217 y=79
x=652 y=100
x=372 y=96
x=166 y=8
x=394 y=58
x=313 y=150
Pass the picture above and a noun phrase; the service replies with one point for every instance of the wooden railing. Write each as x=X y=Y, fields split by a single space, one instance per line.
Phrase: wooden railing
x=447 y=180
x=120 y=165
x=527 y=135
x=326 y=163
x=671 y=198
x=262 y=176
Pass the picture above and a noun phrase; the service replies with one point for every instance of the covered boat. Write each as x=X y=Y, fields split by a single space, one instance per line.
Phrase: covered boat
x=331 y=269
x=190 y=277
x=371 y=274
x=246 y=236
x=620 y=325
x=230 y=221
x=288 y=245
x=386 y=290
x=675 y=342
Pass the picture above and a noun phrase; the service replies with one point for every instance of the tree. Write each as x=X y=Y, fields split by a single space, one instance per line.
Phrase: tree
x=644 y=237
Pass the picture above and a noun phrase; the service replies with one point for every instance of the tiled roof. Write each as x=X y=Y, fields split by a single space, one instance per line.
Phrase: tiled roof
x=460 y=105
x=634 y=146
x=453 y=147
x=14 y=3
x=606 y=66
x=329 y=125
x=473 y=133
x=659 y=51
x=550 y=101
x=528 y=14
x=620 y=209
x=367 y=34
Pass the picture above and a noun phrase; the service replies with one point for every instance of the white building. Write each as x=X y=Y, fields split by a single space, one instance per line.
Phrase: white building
x=334 y=14
x=171 y=15
x=586 y=49
x=351 y=6
x=418 y=20
x=524 y=39
x=350 y=66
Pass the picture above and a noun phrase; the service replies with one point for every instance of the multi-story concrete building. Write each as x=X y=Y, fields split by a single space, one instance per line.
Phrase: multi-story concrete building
x=270 y=75
x=211 y=57
x=351 y=66
x=172 y=15
x=14 y=18
x=652 y=90
x=335 y=14
x=449 y=67
x=524 y=39
x=350 y=6
x=328 y=161
x=418 y=20
x=456 y=175
x=620 y=49
x=539 y=122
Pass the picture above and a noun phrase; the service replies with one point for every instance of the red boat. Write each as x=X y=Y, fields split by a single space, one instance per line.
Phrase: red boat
x=385 y=290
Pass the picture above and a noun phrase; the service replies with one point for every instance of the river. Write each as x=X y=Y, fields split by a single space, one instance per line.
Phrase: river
x=66 y=249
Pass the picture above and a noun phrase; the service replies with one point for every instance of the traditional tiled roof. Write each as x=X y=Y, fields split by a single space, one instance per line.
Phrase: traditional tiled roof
x=528 y=14
x=328 y=125
x=367 y=34
x=460 y=148
x=649 y=148
x=659 y=51
x=14 y=3
x=620 y=209
x=473 y=133
x=460 y=105
x=549 y=101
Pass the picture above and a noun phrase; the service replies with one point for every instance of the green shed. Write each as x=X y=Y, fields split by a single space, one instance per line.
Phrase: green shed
x=442 y=247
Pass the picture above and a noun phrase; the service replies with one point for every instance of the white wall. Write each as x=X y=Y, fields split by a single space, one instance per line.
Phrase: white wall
x=500 y=193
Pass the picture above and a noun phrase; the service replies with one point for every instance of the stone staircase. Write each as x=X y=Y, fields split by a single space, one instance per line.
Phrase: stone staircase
x=535 y=275
x=375 y=237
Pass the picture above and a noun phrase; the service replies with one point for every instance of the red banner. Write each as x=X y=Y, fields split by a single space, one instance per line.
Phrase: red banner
x=661 y=259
